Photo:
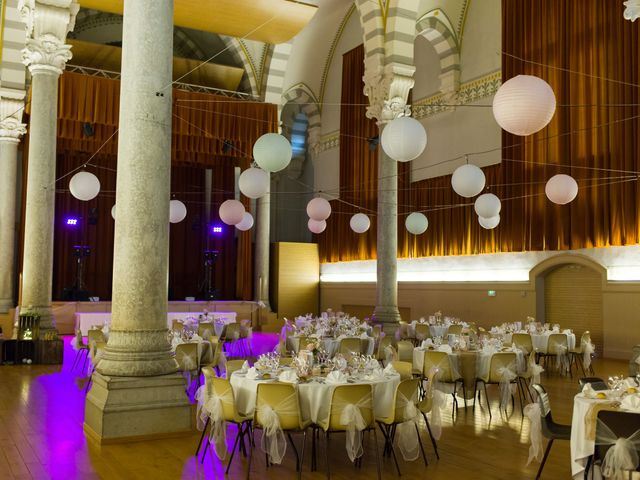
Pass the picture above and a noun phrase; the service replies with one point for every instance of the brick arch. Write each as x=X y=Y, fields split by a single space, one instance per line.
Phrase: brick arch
x=436 y=31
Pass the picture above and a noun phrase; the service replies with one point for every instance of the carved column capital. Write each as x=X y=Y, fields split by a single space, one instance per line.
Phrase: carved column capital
x=47 y=24
x=11 y=110
x=388 y=90
x=632 y=10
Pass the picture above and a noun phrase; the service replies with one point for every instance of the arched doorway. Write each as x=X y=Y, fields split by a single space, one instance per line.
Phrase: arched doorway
x=569 y=293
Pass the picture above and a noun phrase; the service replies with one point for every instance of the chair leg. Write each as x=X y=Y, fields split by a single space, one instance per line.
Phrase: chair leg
x=304 y=443
x=464 y=394
x=486 y=396
x=587 y=467
x=424 y=457
x=204 y=452
x=204 y=431
x=375 y=439
x=475 y=394
x=295 y=450
x=326 y=452
x=544 y=459
x=235 y=446
x=314 y=432
x=250 y=457
x=433 y=440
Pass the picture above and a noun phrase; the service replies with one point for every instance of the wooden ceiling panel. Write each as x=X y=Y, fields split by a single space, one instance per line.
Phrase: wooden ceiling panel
x=270 y=21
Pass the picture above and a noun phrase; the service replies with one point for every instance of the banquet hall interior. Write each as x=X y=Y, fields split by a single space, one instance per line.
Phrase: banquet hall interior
x=319 y=238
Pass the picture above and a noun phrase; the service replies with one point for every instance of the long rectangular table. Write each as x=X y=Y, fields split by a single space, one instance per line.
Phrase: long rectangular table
x=84 y=321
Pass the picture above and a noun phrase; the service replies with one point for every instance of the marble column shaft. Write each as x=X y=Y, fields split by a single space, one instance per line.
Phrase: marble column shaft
x=261 y=263
x=138 y=344
x=386 y=310
x=8 y=180
x=37 y=264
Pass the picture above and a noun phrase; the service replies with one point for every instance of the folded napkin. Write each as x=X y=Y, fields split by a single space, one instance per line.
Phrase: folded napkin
x=196 y=338
x=377 y=374
x=252 y=373
x=288 y=376
x=631 y=403
x=389 y=370
x=245 y=367
x=555 y=330
x=427 y=343
x=566 y=331
x=373 y=364
x=336 y=377
x=588 y=391
x=444 y=348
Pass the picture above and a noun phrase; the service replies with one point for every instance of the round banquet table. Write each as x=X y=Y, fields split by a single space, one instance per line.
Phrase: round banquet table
x=330 y=344
x=541 y=340
x=314 y=396
x=468 y=365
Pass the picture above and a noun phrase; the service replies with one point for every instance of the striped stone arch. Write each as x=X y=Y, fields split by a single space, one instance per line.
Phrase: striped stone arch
x=400 y=32
x=277 y=58
x=302 y=95
x=13 y=71
x=372 y=22
x=434 y=29
x=249 y=82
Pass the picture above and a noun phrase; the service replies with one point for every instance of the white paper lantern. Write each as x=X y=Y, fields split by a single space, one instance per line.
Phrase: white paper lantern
x=318 y=209
x=561 y=189
x=231 y=212
x=416 y=223
x=272 y=152
x=468 y=180
x=113 y=211
x=360 y=223
x=487 y=205
x=404 y=139
x=84 y=186
x=524 y=105
x=246 y=223
x=489 y=223
x=316 y=226
x=254 y=182
x=177 y=211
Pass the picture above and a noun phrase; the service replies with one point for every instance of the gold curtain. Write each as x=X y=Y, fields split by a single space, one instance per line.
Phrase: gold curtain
x=589 y=135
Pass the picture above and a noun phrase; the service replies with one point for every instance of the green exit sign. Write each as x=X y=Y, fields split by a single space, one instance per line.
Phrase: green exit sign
x=491 y=293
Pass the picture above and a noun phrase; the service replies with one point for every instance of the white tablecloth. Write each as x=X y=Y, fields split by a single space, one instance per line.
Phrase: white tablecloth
x=483 y=362
x=541 y=340
x=314 y=397
x=86 y=320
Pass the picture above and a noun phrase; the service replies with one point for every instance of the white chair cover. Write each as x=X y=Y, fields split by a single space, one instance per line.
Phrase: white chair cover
x=406 y=432
x=351 y=417
x=272 y=441
x=534 y=414
x=623 y=454
x=507 y=375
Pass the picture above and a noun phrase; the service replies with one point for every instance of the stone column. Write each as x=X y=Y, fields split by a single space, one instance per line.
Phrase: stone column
x=388 y=89
x=136 y=391
x=11 y=129
x=45 y=54
x=263 y=242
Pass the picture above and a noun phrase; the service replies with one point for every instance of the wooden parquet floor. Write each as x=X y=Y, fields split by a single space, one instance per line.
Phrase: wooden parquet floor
x=41 y=437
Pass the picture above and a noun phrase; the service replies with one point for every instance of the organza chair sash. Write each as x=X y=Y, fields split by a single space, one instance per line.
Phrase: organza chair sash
x=534 y=414
x=562 y=363
x=212 y=406
x=188 y=364
x=622 y=456
x=587 y=349
x=534 y=369
x=272 y=441
x=507 y=375
x=353 y=421
x=406 y=432
x=438 y=401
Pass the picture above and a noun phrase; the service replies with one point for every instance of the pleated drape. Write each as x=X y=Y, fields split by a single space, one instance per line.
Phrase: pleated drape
x=593 y=137
x=87 y=126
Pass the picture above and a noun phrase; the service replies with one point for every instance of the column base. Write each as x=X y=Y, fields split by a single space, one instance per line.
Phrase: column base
x=121 y=409
x=388 y=317
x=47 y=320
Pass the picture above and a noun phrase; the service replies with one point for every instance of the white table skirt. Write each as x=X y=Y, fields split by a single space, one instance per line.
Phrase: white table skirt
x=581 y=446
x=331 y=345
x=86 y=320
x=314 y=397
